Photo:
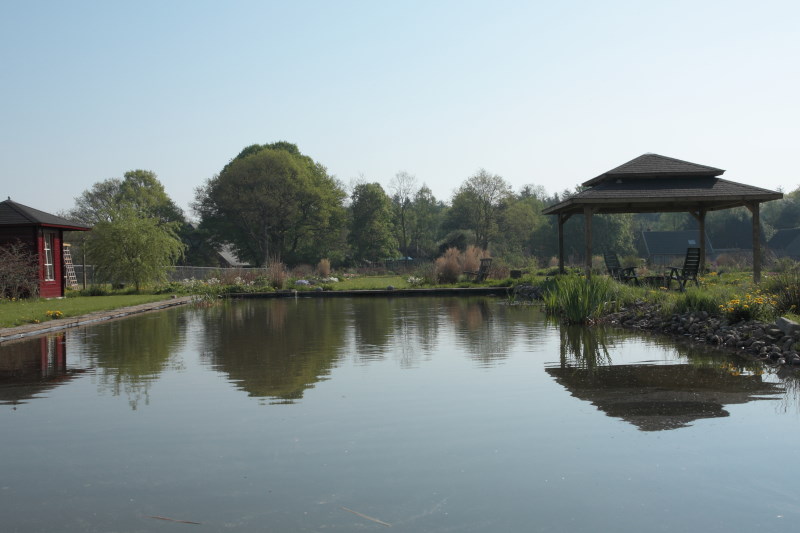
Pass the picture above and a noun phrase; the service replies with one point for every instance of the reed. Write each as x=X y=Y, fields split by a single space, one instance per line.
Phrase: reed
x=579 y=300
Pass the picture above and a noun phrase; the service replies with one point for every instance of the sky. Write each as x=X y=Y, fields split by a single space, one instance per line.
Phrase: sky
x=541 y=93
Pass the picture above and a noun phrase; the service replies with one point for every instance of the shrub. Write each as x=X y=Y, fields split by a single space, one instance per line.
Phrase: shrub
x=753 y=306
x=732 y=261
x=276 y=274
x=785 y=288
x=324 y=268
x=471 y=258
x=427 y=273
x=448 y=266
x=302 y=271
x=785 y=264
x=19 y=273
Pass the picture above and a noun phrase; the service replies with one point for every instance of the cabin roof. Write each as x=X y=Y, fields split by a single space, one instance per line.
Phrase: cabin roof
x=16 y=214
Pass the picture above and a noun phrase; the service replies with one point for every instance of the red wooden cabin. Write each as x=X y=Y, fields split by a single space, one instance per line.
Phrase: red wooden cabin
x=44 y=234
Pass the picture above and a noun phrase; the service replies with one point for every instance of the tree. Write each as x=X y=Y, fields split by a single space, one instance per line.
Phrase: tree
x=424 y=220
x=136 y=233
x=402 y=187
x=371 y=226
x=139 y=190
x=784 y=213
x=477 y=205
x=133 y=248
x=519 y=224
x=272 y=202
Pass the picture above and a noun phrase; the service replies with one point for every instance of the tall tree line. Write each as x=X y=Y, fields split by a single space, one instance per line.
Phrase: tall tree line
x=271 y=202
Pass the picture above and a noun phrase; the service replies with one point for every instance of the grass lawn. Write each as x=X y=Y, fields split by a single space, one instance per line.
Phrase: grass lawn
x=32 y=311
x=371 y=282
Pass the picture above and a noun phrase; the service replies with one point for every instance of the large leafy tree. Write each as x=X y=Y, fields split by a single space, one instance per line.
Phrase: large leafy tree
x=133 y=248
x=139 y=190
x=424 y=218
x=403 y=187
x=477 y=205
x=137 y=228
x=273 y=203
x=371 y=232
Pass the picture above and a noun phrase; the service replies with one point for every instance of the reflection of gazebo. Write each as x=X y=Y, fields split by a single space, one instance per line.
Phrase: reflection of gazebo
x=652 y=183
x=658 y=397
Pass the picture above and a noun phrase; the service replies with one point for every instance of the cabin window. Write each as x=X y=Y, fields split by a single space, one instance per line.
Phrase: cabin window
x=49 y=269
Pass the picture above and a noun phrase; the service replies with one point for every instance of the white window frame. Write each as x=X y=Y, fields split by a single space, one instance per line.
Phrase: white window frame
x=49 y=266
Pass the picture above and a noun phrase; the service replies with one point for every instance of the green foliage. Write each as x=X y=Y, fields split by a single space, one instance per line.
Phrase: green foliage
x=425 y=217
x=579 y=300
x=477 y=206
x=752 y=306
x=272 y=202
x=785 y=290
x=133 y=248
x=696 y=299
x=371 y=232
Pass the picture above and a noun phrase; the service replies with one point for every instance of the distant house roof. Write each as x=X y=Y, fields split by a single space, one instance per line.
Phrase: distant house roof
x=672 y=242
x=14 y=214
x=230 y=258
x=783 y=238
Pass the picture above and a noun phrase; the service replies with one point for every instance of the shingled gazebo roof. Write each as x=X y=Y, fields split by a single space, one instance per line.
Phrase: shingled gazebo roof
x=653 y=183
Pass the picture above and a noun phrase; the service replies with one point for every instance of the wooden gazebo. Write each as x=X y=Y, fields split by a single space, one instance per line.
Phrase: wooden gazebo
x=653 y=183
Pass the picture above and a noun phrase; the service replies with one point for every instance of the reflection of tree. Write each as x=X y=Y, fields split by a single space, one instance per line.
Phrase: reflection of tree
x=652 y=397
x=484 y=329
x=373 y=324
x=131 y=353
x=30 y=367
x=275 y=349
x=415 y=329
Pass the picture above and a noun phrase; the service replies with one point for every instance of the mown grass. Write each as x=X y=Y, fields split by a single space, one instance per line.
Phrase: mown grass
x=369 y=283
x=16 y=313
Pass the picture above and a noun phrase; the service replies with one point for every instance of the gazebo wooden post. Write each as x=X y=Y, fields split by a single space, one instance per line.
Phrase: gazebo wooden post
x=755 y=210
x=700 y=215
x=562 y=219
x=587 y=215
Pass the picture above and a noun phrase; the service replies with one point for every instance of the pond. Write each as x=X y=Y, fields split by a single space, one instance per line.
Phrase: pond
x=419 y=414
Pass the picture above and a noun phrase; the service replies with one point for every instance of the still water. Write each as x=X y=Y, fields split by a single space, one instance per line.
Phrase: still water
x=420 y=414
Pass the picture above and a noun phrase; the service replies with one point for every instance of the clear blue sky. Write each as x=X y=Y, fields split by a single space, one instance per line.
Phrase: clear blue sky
x=545 y=93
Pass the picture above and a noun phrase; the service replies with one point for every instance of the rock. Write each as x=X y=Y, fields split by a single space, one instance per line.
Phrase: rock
x=789 y=327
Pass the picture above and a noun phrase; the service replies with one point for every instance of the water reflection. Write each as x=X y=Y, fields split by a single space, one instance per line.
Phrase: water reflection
x=655 y=397
x=31 y=367
x=129 y=355
x=281 y=348
x=276 y=350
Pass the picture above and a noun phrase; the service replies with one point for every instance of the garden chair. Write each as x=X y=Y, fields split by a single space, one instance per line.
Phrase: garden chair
x=691 y=265
x=482 y=272
x=617 y=271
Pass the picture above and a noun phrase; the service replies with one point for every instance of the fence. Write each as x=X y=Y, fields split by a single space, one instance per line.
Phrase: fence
x=177 y=273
